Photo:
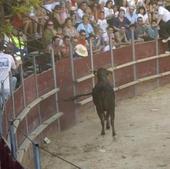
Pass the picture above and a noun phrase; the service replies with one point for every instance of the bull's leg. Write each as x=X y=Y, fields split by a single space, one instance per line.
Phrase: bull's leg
x=112 y=115
x=107 y=120
x=102 y=119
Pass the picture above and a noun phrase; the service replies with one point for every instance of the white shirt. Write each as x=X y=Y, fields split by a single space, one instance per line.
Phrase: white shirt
x=102 y=24
x=6 y=64
x=51 y=6
x=144 y=17
x=79 y=15
x=108 y=12
x=164 y=14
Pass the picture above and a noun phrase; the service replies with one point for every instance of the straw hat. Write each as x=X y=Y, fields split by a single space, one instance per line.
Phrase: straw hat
x=81 y=50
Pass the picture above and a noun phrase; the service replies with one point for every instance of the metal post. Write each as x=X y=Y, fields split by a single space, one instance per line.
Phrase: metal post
x=157 y=60
x=2 y=101
x=23 y=90
x=36 y=85
x=1 y=124
x=72 y=68
x=55 y=85
x=54 y=76
x=36 y=152
x=92 y=61
x=134 y=57
x=23 y=84
x=112 y=59
x=12 y=96
x=12 y=139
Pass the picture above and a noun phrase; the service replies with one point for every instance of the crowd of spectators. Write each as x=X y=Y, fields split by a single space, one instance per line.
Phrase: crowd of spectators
x=91 y=21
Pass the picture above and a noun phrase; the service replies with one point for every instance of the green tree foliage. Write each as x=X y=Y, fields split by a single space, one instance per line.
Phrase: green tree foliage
x=15 y=7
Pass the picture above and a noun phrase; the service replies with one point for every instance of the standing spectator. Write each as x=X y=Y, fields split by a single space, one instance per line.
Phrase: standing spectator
x=48 y=34
x=105 y=1
x=164 y=22
x=121 y=21
x=7 y=63
x=108 y=10
x=80 y=13
x=102 y=23
x=57 y=17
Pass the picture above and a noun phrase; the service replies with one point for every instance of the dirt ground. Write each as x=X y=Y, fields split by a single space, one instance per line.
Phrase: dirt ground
x=142 y=142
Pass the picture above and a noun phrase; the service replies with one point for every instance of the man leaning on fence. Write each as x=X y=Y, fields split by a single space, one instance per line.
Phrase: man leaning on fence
x=7 y=82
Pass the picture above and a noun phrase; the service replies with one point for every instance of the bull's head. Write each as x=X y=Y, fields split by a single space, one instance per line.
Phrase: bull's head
x=102 y=73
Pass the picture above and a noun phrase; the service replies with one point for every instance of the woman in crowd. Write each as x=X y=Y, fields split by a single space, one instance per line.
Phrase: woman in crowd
x=144 y=15
x=69 y=29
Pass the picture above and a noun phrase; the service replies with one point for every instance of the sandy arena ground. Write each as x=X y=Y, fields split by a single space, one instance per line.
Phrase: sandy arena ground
x=143 y=137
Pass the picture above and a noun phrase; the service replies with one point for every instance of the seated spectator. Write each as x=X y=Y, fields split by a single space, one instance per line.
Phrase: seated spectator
x=31 y=22
x=48 y=34
x=143 y=31
x=96 y=43
x=121 y=37
x=110 y=33
x=121 y=21
x=69 y=29
x=82 y=39
x=42 y=18
x=57 y=45
x=65 y=50
x=85 y=25
x=59 y=16
x=155 y=29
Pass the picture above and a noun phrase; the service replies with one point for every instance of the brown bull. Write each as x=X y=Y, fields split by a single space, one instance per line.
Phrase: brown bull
x=104 y=99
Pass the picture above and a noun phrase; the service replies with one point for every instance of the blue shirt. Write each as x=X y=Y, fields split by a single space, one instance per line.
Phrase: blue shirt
x=88 y=28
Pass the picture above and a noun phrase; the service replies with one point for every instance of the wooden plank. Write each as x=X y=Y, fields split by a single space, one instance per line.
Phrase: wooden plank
x=84 y=78
x=26 y=110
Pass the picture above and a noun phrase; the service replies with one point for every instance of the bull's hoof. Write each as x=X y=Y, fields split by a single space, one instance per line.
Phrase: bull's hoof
x=102 y=133
x=107 y=127
x=113 y=134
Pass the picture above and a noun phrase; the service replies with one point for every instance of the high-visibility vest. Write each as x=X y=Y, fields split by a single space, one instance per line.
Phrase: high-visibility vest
x=18 y=42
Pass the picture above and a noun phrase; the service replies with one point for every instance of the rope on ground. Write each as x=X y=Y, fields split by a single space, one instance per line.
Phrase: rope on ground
x=51 y=153
x=55 y=155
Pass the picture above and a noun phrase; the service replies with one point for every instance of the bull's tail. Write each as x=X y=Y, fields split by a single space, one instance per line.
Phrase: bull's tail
x=77 y=96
